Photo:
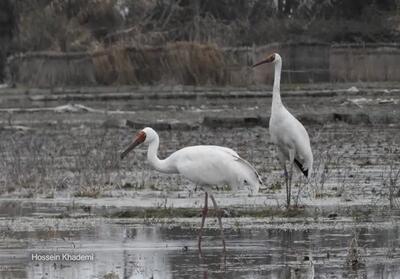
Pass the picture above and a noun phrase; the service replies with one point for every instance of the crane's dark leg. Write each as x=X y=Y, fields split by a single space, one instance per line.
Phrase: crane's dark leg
x=287 y=186
x=291 y=162
x=282 y=161
x=290 y=184
x=219 y=216
x=203 y=219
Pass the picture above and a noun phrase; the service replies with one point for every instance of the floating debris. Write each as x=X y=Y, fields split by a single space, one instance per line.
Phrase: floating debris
x=353 y=89
x=16 y=128
x=69 y=108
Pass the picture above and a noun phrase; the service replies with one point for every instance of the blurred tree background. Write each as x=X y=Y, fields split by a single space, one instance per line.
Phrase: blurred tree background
x=71 y=25
x=76 y=25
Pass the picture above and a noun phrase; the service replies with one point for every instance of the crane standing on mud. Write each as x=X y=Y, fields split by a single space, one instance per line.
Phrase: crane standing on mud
x=205 y=165
x=287 y=133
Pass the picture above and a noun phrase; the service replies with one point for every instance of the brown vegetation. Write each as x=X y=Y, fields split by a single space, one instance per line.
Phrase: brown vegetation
x=81 y=25
x=187 y=63
x=181 y=63
x=46 y=69
x=179 y=42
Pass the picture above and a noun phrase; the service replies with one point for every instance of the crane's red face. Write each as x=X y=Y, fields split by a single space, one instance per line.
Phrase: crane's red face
x=268 y=59
x=139 y=138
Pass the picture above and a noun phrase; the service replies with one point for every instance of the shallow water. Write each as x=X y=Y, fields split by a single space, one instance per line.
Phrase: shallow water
x=132 y=250
x=358 y=156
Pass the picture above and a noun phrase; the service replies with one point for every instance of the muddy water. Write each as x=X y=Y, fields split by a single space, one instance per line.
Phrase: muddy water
x=131 y=250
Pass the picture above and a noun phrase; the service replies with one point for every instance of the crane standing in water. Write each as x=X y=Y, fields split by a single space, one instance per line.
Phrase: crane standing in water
x=205 y=165
x=287 y=133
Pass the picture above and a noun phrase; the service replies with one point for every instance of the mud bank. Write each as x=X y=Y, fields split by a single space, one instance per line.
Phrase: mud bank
x=188 y=108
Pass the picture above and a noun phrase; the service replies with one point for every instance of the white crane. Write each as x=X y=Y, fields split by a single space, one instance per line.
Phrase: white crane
x=205 y=165
x=287 y=133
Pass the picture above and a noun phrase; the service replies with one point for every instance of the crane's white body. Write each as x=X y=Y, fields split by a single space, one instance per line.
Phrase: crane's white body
x=205 y=165
x=287 y=133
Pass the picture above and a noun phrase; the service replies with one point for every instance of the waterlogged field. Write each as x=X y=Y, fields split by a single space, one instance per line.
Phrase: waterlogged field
x=65 y=190
x=128 y=248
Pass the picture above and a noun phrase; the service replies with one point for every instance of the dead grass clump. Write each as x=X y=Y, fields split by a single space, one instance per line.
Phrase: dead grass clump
x=114 y=66
x=391 y=176
x=49 y=69
x=124 y=69
x=149 y=64
x=104 y=72
x=25 y=164
x=354 y=259
x=34 y=163
x=88 y=192
x=96 y=164
x=195 y=64
x=176 y=63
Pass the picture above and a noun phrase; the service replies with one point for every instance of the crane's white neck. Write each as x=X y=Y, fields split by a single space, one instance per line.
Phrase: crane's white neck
x=155 y=162
x=276 y=91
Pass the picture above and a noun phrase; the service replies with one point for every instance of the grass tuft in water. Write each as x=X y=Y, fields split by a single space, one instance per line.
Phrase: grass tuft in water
x=161 y=212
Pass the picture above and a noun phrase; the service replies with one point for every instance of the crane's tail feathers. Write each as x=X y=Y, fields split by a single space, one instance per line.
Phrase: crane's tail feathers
x=300 y=166
x=247 y=164
x=252 y=168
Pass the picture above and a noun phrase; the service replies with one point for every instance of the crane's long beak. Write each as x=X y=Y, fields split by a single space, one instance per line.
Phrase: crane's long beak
x=129 y=149
x=141 y=136
x=269 y=59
